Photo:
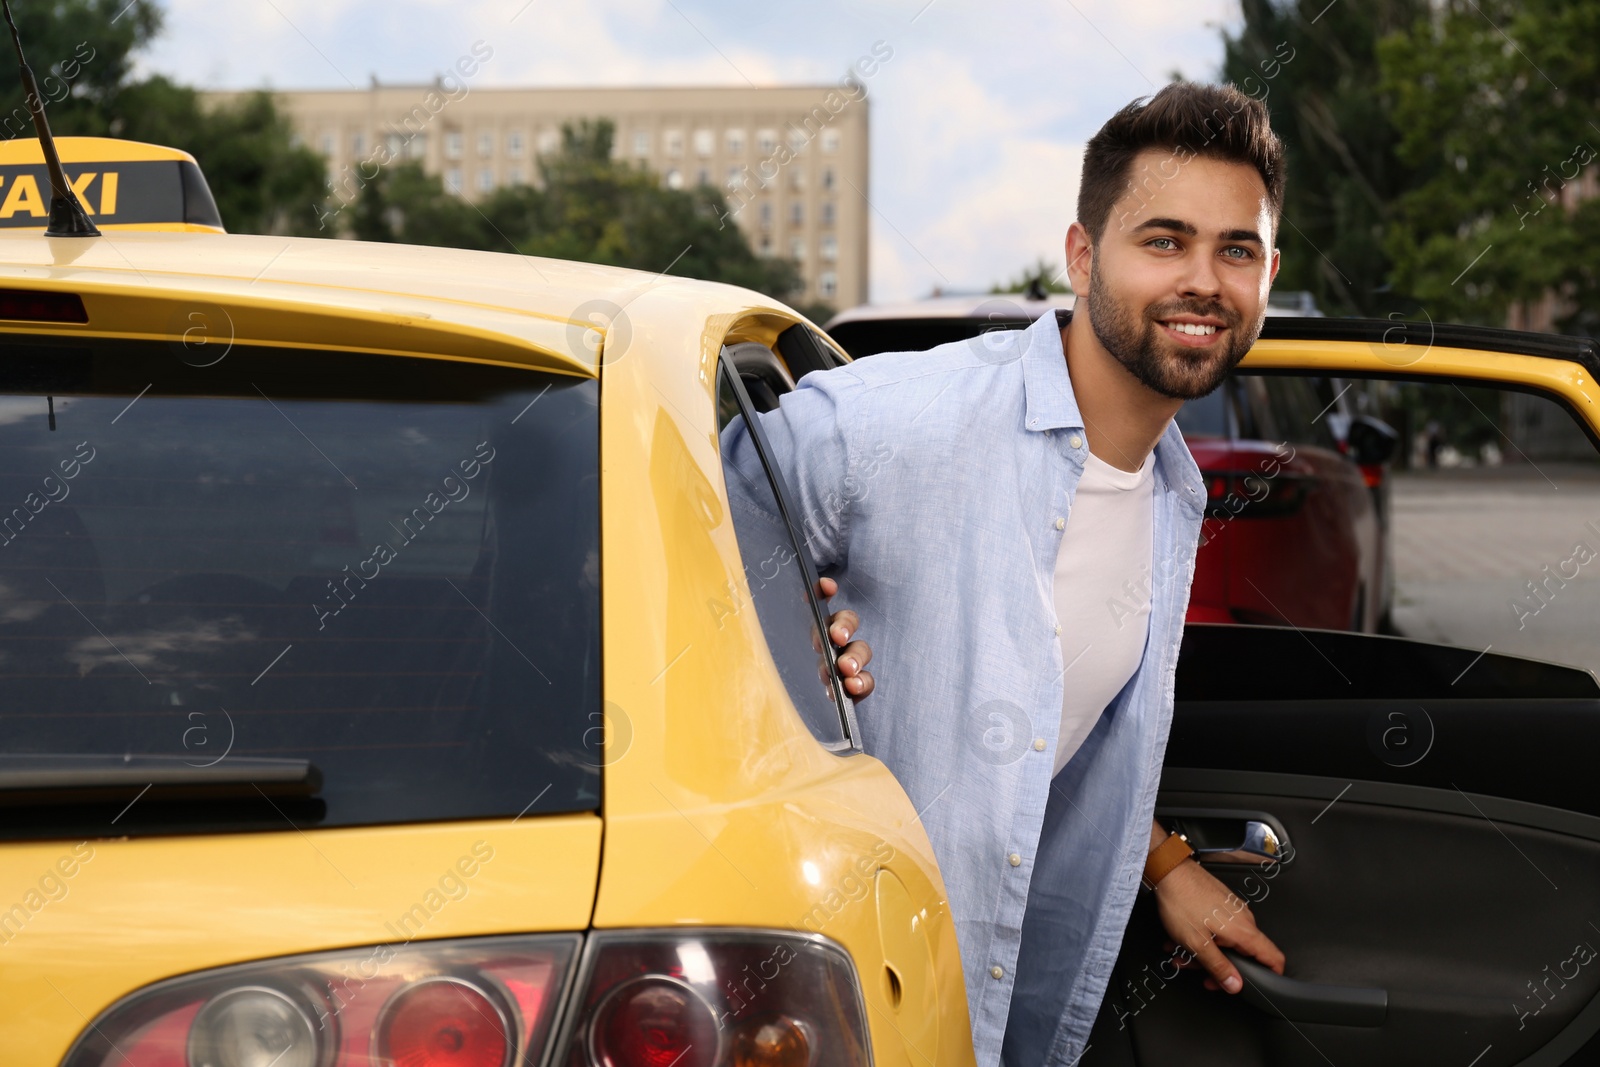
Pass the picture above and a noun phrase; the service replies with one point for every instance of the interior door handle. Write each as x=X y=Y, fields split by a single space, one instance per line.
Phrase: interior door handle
x=1310 y=1002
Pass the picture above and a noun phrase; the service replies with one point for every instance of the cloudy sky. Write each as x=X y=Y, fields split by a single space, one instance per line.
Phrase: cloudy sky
x=978 y=120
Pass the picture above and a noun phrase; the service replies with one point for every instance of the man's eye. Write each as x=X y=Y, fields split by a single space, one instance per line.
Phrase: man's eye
x=1243 y=253
x=1163 y=243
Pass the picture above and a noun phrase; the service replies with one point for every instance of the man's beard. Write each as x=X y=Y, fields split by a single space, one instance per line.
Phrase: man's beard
x=1163 y=365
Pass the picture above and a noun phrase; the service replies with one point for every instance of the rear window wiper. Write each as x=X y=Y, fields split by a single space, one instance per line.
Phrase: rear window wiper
x=70 y=777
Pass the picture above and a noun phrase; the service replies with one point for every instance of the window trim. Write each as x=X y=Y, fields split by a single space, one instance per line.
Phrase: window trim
x=780 y=489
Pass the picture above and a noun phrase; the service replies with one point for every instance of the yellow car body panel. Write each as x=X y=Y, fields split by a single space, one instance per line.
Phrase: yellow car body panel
x=137 y=911
x=709 y=763
x=1570 y=381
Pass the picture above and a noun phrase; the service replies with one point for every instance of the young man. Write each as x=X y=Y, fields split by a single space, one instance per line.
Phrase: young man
x=1019 y=527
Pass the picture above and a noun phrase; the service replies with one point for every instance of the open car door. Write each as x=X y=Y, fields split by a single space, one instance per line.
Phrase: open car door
x=1412 y=816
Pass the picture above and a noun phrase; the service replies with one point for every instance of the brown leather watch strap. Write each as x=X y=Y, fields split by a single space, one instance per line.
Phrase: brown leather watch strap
x=1163 y=858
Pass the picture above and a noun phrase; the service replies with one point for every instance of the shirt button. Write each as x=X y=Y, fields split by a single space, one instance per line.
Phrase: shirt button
x=1038 y=744
x=1075 y=441
x=1061 y=524
x=1058 y=629
x=997 y=972
x=1016 y=860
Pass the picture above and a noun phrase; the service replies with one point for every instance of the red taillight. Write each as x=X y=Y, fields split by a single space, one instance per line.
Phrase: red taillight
x=730 y=998
x=654 y=1022
x=478 y=1002
x=28 y=305
x=445 y=1022
x=1372 y=474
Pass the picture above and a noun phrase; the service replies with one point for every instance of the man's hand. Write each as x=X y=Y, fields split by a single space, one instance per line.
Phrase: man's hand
x=853 y=656
x=1204 y=916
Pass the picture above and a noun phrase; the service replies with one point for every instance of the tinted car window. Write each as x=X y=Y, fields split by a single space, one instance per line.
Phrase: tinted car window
x=386 y=566
x=778 y=584
x=1301 y=416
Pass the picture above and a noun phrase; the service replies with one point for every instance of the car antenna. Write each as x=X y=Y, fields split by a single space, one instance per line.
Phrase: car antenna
x=67 y=217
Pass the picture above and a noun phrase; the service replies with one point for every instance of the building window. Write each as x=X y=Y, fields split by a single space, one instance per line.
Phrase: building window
x=485 y=145
x=452 y=144
x=702 y=176
x=735 y=142
x=829 y=247
x=767 y=142
x=327 y=145
x=641 y=142
x=797 y=249
x=828 y=178
x=736 y=178
x=766 y=244
x=828 y=285
x=797 y=213
x=830 y=141
x=797 y=178
x=452 y=180
x=674 y=178
x=514 y=176
x=485 y=180
x=418 y=148
x=827 y=212
x=705 y=142
x=766 y=214
x=549 y=142
x=358 y=144
x=798 y=139
x=395 y=144
x=514 y=144
x=674 y=142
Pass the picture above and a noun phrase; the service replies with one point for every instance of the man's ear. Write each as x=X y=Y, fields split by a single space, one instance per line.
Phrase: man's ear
x=1273 y=275
x=1080 y=257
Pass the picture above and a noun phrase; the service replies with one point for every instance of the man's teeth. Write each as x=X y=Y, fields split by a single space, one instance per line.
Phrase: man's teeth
x=1191 y=328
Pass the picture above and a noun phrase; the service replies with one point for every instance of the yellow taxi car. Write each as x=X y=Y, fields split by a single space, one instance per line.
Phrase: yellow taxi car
x=384 y=682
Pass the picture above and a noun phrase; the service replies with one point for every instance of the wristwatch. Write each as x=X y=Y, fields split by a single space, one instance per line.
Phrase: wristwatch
x=1163 y=858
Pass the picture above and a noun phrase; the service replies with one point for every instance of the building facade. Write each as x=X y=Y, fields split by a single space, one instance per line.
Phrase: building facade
x=791 y=161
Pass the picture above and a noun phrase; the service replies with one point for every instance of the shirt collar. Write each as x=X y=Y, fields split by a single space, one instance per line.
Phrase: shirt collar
x=1051 y=405
x=1045 y=382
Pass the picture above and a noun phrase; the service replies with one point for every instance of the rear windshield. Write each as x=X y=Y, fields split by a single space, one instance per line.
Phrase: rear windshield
x=386 y=566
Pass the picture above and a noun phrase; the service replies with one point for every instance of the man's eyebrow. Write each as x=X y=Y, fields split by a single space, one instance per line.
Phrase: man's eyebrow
x=1185 y=228
x=1242 y=235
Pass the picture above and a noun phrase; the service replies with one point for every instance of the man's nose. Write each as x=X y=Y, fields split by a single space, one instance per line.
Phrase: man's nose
x=1201 y=278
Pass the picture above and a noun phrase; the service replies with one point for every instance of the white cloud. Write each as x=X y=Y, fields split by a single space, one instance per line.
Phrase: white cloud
x=977 y=122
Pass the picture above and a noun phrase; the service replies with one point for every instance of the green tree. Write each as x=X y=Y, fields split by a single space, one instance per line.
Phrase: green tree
x=1043 y=277
x=1316 y=68
x=588 y=207
x=1496 y=103
x=81 y=52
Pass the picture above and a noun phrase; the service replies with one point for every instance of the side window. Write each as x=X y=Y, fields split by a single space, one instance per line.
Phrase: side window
x=1294 y=401
x=780 y=575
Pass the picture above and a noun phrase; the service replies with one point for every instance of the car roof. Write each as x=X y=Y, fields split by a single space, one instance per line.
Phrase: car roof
x=342 y=294
x=960 y=306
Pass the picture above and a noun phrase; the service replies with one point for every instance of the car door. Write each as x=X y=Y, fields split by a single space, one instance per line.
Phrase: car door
x=1413 y=818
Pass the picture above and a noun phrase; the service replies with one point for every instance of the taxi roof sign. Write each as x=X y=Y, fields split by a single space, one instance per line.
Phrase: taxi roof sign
x=121 y=184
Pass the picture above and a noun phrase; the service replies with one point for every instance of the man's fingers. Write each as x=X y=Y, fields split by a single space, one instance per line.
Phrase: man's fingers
x=853 y=657
x=826 y=587
x=842 y=626
x=860 y=685
x=1248 y=940
x=1217 y=966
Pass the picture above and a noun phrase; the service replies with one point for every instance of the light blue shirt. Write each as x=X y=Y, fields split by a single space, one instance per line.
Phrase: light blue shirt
x=935 y=487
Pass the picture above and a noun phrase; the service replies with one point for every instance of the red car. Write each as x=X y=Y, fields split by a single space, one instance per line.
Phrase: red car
x=1296 y=529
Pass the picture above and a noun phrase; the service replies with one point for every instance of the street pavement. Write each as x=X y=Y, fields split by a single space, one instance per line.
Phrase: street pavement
x=1467 y=542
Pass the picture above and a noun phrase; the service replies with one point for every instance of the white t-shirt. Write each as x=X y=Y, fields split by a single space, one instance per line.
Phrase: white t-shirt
x=1102 y=593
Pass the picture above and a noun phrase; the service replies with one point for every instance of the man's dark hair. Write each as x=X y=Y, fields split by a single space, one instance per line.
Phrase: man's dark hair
x=1186 y=120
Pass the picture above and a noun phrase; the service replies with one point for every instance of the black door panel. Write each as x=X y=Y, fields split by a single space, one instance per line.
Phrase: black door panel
x=1459 y=906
